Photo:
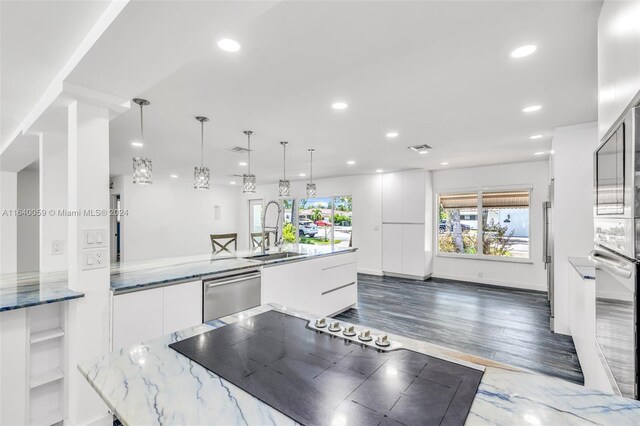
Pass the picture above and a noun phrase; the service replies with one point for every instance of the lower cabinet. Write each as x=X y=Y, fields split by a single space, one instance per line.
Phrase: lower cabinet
x=148 y=314
x=403 y=249
x=321 y=287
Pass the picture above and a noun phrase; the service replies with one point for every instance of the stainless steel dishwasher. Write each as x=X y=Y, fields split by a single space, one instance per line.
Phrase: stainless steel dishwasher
x=230 y=294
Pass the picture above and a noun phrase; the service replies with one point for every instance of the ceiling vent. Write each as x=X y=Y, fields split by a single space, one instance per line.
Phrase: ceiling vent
x=420 y=148
x=239 y=149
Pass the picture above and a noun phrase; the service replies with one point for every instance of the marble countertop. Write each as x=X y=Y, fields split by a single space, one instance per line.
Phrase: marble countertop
x=151 y=384
x=583 y=267
x=22 y=290
x=130 y=276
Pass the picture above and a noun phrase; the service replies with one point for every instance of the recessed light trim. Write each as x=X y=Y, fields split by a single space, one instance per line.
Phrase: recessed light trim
x=392 y=135
x=339 y=105
x=302 y=174
x=539 y=153
x=137 y=144
x=444 y=163
x=379 y=170
x=174 y=176
x=351 y=162
x=232 y=183
x=242 y=163
x=229 y=45
x=523 y=51
x=535 y=137
x=532 y=108
x=424 y=151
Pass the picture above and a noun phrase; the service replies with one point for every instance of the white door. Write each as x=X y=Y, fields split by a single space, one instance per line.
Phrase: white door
x=392 y=248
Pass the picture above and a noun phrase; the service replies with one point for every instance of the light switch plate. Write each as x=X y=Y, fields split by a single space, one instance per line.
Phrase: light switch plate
x=94 y=259
x=94 y=238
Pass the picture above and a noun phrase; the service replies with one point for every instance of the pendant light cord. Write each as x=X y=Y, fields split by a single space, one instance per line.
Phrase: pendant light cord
x=142 y=130
x=249 y=153
x=311 y=171
x=201 y=143
x=284 y=162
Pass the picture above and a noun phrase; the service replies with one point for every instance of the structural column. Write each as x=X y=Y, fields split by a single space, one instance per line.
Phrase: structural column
x=88 y=192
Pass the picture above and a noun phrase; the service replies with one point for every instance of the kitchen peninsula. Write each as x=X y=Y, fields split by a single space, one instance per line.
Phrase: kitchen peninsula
x=150 y=383
x=322 y=280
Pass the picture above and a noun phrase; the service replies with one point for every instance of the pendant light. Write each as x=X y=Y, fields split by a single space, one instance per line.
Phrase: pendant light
x=311 y=187
x=201 y=174
x=284 y=186
x=142 y=167
x=248 y=180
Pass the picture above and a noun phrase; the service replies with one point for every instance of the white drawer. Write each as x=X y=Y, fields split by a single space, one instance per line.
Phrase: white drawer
x=338 y=276
x=338 y=259
x=339 y=300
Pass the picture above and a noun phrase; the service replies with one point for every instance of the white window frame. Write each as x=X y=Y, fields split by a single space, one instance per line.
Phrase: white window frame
x=480 y=238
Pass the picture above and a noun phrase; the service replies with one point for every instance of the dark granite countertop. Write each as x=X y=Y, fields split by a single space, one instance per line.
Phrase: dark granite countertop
x=21 y=290
x=146 y=274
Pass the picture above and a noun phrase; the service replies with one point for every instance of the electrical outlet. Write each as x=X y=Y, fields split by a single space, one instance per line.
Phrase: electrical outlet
x=95 y=259
x=57 y=247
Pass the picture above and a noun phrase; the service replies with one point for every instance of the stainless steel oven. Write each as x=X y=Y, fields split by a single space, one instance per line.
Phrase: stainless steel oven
x=617 y=319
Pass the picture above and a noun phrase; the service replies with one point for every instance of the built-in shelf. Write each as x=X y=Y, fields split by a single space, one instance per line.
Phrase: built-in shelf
x=46 y=377
x=42 y=336
x=48 y=419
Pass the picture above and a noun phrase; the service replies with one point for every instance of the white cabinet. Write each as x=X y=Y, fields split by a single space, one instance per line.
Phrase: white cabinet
x=148 y=314
x=403 y=249
x=392 y=234
x=320 y=286
x=182 y=306
x=618 y=60
x=403 y=197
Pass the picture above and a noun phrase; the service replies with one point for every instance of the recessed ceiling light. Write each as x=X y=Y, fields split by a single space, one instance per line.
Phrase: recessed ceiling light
x=379 y=170
x=535 y=137
x=351 y=162
x=232 y=183
x=523 y=51
x=539 y=153
x=339 y=105
x=137 y=144
x=423 y=152
x=242 y=163
x=532 y=108
x=174 y=176
x=302 y=174
x=444 y=164
x=392 y=134
x=228 y=45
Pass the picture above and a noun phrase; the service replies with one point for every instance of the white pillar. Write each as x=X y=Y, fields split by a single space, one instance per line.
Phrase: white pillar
x=88 y=318
x=8 y=222
x=53 y=196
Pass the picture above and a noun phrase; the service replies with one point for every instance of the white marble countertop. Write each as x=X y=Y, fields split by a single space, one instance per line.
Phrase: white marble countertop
x=151 y=384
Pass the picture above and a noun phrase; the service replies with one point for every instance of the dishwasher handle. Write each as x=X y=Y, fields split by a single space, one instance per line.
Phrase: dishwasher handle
x=232 y=280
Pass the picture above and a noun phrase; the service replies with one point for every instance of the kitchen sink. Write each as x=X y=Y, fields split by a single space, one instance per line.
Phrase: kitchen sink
x=273 y=256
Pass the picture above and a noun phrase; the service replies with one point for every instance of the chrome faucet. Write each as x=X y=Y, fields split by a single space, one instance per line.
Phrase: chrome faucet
x=275 y=229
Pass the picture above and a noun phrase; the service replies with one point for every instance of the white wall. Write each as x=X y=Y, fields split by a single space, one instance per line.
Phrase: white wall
x=170 y=218
x=524 y=175
x=29 y=225
x=8 y=225
x=366 y=191
x=573 y=148
x=618 y=60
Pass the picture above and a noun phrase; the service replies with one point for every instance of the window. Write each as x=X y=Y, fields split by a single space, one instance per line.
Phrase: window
x=504 y=223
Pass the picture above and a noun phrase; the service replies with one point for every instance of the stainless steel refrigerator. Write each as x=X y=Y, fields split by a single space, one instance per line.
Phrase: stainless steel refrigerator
x=547 y=248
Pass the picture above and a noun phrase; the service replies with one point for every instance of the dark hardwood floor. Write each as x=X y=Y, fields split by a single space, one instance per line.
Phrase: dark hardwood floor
x=507 y=325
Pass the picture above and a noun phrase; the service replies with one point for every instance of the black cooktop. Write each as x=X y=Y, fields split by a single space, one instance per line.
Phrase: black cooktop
x=318 y=379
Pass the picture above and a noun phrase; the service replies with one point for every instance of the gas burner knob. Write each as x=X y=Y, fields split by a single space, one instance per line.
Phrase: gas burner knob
x=334 y=327
x=349 y=331
x=365 y=335
x=383 y=340
x=321 y=323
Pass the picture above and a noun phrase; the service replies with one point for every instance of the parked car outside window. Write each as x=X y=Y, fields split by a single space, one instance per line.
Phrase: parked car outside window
x=306 y=228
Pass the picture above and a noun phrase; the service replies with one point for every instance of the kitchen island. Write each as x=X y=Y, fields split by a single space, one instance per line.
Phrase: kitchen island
x=150 y=383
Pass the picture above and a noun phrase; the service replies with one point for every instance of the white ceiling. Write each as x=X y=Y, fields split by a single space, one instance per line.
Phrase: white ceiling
x=36 y=39
x=436 y=72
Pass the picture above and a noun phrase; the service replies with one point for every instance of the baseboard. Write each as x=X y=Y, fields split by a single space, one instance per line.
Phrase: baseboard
x=370 y=272
x=510 y=284
x=410 y=277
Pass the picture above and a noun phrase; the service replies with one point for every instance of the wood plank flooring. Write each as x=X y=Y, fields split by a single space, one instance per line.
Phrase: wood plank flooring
x=506 y=325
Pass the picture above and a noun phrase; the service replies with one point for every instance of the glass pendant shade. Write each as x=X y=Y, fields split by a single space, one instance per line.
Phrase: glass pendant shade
x=311 y=190
x=201 y=177
x=248 y=184
x=142 y=171
x=284 y=188
x=142 y=167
